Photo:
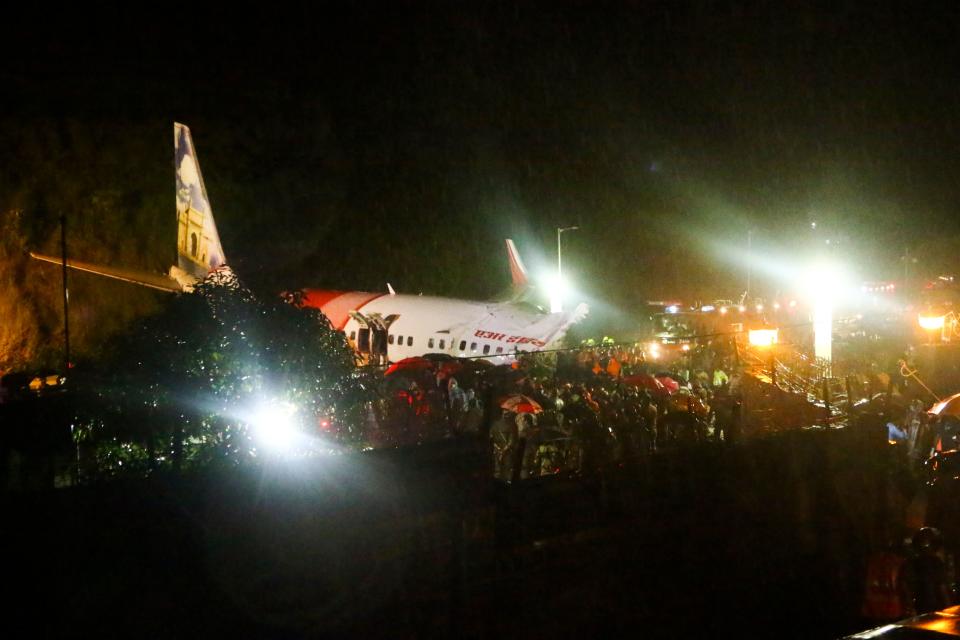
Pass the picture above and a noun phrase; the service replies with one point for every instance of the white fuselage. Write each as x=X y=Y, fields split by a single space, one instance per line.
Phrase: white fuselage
x=462 y=328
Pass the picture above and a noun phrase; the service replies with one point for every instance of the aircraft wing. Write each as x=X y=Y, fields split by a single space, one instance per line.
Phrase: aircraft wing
x=152 y=280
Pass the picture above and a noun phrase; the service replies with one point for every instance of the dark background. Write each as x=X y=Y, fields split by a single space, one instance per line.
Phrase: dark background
x=346 y=148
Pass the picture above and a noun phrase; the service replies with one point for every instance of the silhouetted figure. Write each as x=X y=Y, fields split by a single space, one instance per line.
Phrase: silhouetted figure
x=886 y=592
x=929 y=581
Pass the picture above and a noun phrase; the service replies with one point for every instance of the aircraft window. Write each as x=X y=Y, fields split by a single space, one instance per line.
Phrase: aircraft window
x=443 y=343
x=473 y=346
x=486 y=349
x=463 y=345
x=400 y=340
x=353 y=335
x=390 y=338
x=409 y=341
x=499 y=349
x=430 y=343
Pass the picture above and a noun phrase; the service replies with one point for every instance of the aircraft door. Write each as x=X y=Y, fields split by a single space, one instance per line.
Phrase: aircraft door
x=372 y=335
x=363 y=340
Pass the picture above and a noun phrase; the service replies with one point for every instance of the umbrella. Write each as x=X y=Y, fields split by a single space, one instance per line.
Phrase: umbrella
x=671 y=385
x=409 y=364
x=449 y=367
x=646 y=381
x=947 y=407
x=438 y=357
x=520 y=403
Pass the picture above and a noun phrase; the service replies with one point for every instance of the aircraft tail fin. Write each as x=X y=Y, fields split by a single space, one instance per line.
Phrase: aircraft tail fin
x=198 y=244
x=518 y=272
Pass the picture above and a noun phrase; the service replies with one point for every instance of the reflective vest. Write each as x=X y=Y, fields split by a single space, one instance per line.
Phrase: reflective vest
x=882 y=598
x=613 y=368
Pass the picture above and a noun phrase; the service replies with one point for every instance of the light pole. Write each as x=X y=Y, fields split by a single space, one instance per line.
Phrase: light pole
x=556 y=302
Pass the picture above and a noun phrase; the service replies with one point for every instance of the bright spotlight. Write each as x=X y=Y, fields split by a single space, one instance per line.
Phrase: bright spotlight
x=275 y=426
x=931 y=323
x=654 y=350
x=741 y=308
x=776 y=306
x=763 y=337
x=557 y=289
x=824 y=283
x=759 y=308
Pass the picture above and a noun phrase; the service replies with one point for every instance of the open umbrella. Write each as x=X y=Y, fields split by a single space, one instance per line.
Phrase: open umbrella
x=947 y=407
x=414 y=364
x=438 y=357
x=671 y=385
x=646 y=381
x=450 y=366
x=520 y=403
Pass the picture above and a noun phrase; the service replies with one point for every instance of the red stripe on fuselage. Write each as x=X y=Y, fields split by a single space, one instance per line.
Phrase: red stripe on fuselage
x=337 y=305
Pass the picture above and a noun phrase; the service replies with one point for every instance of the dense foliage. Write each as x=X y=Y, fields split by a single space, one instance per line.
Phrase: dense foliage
x=184 y=387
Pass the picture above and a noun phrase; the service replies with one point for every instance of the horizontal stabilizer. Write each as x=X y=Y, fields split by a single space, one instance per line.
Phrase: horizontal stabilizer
x=154 y=281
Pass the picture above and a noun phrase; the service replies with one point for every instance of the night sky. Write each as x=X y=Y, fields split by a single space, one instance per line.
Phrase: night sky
x=347 y=150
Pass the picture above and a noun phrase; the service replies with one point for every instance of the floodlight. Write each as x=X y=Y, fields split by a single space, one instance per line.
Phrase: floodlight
x=931 y=323
x=763 y=337
x=275 y=425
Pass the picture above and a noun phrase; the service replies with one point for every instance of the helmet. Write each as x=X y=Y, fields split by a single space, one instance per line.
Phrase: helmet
x=927 y=538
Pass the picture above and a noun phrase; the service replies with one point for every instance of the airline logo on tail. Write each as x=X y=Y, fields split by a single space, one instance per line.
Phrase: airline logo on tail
x=198 y=244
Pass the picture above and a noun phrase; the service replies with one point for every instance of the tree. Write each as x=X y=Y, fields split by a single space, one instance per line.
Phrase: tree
x=184 y=388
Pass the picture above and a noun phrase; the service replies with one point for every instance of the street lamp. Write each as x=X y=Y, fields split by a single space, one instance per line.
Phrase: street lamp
x=556 y=298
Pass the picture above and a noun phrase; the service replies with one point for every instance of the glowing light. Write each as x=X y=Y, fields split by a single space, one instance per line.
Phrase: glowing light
x=759 y=308
x=776 y=306
x=824 y=283
x=275 y=426
x=685 y=347
x=763 y=337
x=723 y=309
x=823 y=330
x=673 y=308
x=653 y=350
x=931 y=323
x=709 y=307
x=557 y=289
x=741 y=308
x=793 y=303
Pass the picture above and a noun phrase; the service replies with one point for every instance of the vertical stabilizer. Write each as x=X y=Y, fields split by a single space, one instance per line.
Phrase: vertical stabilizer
x=198 y=244
x=518 y=272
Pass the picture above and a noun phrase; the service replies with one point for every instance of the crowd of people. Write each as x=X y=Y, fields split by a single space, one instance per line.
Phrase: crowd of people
x=569 y=413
